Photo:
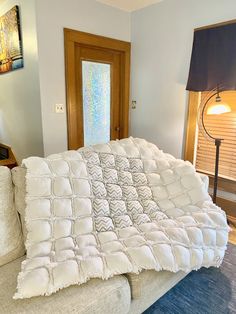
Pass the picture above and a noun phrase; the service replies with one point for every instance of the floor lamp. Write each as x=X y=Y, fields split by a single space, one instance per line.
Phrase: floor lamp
x=216 y=108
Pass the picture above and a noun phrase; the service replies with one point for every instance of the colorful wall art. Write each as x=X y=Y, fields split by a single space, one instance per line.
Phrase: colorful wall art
x=11 y=55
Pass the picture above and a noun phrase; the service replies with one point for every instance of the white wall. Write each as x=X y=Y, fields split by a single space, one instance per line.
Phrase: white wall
x=20 y=112
x=161 y=49
x=52 y=16
x=162 y=37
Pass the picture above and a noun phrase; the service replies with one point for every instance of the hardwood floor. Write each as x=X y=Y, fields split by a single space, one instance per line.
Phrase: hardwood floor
x=232 y=234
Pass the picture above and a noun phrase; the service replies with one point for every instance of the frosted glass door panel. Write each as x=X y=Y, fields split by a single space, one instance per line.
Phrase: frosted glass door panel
x=96 y=79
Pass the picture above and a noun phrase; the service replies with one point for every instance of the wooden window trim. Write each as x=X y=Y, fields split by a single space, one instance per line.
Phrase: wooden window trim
x=72 y=38
x=193 y=105
x=216 y=25
x=189 y=151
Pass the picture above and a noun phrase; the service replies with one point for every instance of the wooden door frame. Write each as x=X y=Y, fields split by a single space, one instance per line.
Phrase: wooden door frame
x=73 y=38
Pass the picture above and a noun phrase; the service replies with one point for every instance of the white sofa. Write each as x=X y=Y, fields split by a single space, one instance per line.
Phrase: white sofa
x=128 y=293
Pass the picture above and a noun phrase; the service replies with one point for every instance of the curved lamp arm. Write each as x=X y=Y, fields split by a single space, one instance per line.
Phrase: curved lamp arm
x=202 y=116
x=217 y=143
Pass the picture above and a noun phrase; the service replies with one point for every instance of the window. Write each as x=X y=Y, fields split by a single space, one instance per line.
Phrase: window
x=202 y=153
x=220 y=126
x=212 y=67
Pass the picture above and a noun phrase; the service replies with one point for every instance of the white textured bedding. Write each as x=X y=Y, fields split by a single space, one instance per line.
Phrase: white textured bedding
x=115 y=208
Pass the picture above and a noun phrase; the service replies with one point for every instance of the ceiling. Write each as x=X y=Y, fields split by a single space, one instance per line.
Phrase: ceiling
x=126 y=5
x=129 y=5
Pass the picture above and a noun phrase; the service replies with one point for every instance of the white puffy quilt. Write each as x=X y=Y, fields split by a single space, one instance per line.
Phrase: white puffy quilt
x=115 y=208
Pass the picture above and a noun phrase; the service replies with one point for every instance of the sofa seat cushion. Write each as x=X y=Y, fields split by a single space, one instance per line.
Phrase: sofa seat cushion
x=96 y=296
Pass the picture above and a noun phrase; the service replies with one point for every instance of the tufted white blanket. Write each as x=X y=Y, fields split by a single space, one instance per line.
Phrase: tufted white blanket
x=115 y=208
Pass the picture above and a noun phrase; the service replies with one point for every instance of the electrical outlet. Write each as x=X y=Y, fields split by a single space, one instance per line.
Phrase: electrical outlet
x=59 y=108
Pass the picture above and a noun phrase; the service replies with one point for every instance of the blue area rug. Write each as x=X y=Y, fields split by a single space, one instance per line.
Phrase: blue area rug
x=207 y=291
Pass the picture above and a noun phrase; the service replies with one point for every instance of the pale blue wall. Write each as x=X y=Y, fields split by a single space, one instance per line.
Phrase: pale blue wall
x=20 y=109
x=52 y=15
x=162 y=37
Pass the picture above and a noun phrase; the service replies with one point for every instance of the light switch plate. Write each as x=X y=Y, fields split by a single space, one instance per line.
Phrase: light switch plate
x=134 y=104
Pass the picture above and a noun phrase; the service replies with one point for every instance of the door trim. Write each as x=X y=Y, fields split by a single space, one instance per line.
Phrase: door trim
x=71 y=39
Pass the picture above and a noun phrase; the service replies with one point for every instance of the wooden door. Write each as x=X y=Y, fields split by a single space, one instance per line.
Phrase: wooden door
x=96 y=67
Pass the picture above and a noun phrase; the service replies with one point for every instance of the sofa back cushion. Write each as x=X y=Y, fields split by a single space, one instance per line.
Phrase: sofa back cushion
x=11 y=239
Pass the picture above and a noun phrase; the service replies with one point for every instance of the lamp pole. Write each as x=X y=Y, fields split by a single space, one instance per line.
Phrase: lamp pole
x=217 y=144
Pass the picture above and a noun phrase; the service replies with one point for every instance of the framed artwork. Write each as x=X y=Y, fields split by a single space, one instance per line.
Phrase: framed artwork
x=11 y=54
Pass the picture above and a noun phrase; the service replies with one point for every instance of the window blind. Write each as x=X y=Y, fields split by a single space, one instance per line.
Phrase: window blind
x=221 y=126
